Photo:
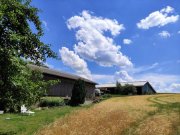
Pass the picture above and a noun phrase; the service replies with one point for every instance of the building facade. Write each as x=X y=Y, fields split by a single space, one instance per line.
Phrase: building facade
x=142 y=87
x=64 y=88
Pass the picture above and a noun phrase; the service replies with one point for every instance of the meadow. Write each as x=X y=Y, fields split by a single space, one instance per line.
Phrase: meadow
x=131 y=115
x=125 y=115
x=18 y=124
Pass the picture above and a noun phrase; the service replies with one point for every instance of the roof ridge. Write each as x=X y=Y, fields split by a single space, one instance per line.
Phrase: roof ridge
x=61 y=72
x=138 y=81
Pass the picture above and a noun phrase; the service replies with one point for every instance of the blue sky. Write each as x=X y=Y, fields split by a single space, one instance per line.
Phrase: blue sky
x=123 y=40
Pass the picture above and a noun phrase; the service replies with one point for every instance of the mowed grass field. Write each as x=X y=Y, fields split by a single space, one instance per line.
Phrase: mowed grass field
x=18 y=124
x=132 y=115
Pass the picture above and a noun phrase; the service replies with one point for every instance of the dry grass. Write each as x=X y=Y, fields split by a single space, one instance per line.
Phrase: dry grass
x=171 y=99
x=158 y=125
x=115 y=116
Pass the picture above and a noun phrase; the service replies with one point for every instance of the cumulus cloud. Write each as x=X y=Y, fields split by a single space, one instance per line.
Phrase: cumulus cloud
x=69 y=58
x=103 y=78
x=174 y=87
x=93 y=45
x=127 y=41
x=164 y=34
x=158 y=18
x=161 y=82
x=122 y=76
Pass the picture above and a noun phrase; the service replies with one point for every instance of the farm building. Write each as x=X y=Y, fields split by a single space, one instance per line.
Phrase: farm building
x=142 y=87
x=64 y=88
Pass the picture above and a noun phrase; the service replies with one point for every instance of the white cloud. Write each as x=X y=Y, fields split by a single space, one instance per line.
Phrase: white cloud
x=122 y=76
x=158 y=18
x=161 y=82
x=174 y=87
x=101 y=78
x=49 y=65
x=178 y=32
x=45 y=24
x=143 y=68
x=93 y=45
x=164 y=34
x=69 y=58
x=127 y=41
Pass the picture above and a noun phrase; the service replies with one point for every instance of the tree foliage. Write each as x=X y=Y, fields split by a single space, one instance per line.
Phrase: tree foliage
x=126 y=89
x=16 y=34
x=18 y=84
x=129 y=89
x=119 y=88
x=21 y=85
x=78 y=93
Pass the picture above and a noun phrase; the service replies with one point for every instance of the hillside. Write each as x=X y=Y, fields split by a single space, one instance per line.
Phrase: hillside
x=135 y=115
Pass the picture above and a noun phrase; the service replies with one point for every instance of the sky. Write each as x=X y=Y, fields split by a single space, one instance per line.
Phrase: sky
x=108 y=41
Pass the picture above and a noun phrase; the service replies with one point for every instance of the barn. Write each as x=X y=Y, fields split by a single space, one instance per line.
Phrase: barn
x=142 y=87
x=64 y=88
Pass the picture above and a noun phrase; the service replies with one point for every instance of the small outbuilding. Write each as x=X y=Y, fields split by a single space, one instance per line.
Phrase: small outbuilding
x=64 y=88
x=142 y=87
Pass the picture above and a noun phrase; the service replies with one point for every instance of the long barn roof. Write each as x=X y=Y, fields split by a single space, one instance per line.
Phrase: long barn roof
x=57 y=73
x=112 y=85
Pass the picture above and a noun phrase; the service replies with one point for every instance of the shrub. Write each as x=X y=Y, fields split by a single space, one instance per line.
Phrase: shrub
x=125 y=90
x=119 y=88
x=78 y=93
x=129 y=89
x=105 y=96
x=51 y=102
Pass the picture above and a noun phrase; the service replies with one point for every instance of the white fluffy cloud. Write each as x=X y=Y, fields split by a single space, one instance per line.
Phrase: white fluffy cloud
x=93 y=45
x=69 y=58
x=158 y=18
x=164 y=34
x=127 y=41
x=174 y=87
x=101 y=78
x=161 y=82
x=122 y=76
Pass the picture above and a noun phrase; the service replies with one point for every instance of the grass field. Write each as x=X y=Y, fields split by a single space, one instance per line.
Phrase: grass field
x=132 y=115
x=28 y=125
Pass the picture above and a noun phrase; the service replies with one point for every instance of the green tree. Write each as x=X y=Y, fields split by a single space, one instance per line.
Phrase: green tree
x=126 y=89
x=119 y=88
x=22 y=86
x=129 y=89
x=16 y=35
x=17 y=40
x=78 y=93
